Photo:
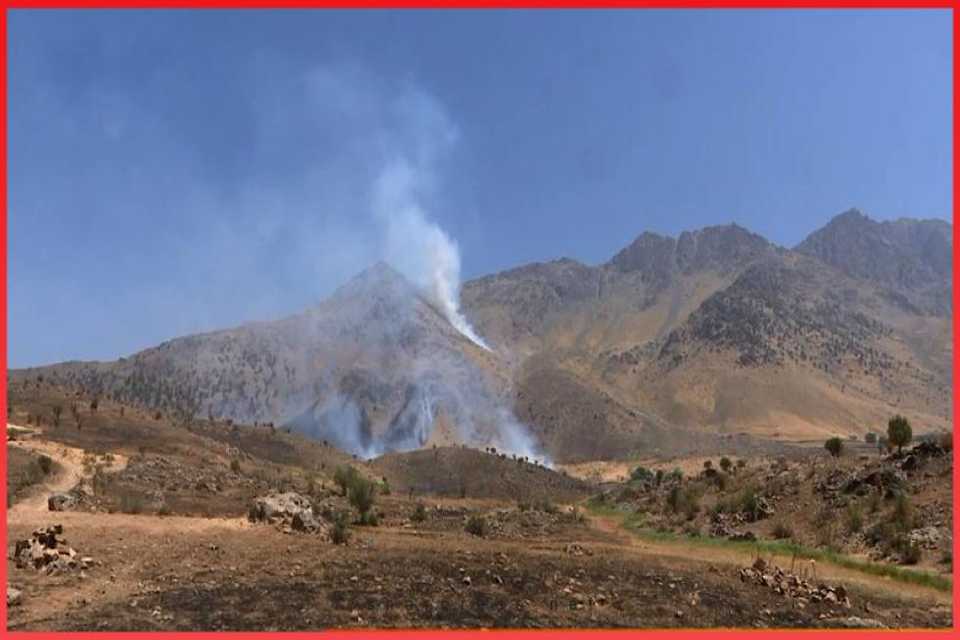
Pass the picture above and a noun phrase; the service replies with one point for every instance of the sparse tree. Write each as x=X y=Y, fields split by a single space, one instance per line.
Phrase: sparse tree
x=834 y=446
x=725 y=464
x=344 y=477
x=708 y=464
x=362 y=495
x=57 y=410
x=899 y=432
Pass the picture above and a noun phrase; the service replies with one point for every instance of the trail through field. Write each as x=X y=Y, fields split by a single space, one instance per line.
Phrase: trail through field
x=711 y=554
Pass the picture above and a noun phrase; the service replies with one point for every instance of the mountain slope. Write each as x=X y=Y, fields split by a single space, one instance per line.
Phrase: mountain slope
x=671 y=345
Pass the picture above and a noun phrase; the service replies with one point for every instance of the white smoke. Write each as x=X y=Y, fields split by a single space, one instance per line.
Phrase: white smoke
x=418 y=247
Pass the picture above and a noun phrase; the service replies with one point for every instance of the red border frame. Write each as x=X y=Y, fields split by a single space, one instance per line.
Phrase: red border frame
x=671 y=634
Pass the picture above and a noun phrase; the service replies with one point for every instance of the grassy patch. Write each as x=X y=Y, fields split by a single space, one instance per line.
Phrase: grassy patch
x=633 y=522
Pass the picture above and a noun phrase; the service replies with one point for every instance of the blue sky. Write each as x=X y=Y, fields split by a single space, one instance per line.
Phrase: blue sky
x=174 y=172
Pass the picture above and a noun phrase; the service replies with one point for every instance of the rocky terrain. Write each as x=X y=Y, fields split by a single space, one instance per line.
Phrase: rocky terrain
x=654 y=349
x=145 y=523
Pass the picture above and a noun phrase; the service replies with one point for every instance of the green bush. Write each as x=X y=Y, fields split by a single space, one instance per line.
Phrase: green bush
x=642 y=474
x=834 y=446
x=419 y=513
x=725 y=464
x=683 y=501
x=899 y=432
x=362 y=493
x=902 y=516
x=235 y=466
x=477 y=526
x=344 y=477
x=46 y=463
x=340 y=531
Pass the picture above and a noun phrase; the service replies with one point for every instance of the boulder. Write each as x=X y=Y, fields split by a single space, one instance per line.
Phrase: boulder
x=278 y=506
x=62 y=502
x=14 y=596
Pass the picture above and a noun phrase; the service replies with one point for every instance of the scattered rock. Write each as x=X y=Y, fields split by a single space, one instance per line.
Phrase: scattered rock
x=14 y=596
x=46 y=552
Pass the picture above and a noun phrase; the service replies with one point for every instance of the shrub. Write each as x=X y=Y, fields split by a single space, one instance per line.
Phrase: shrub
x=725 y=464
x=385 y=487
x=340 y=531
x=782 y=531
x=899 y=432
x=344 y=477
x=750 y=504
x=870 y=438
x=235 y=466
x=642 y=474
x=57 y=411
x=683 y=501
x=902 y=516
x=546 y=506
x=741 y=463
x=721 y=480
x=910 y=552
x=854 y=518
x=523 y=506
x=708 y=464
x=834 y=446
x=362 y=493
x=419 y=513
x=46 y=463
x=476 y=526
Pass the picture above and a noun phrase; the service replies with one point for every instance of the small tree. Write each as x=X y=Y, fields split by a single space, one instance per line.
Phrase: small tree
x=899 y=432
x=725 y=464
x=708 y=464
x=343 y=477
x=94 y=404
x=57 y=410
x=834 y=446
x=870 y=438
x=362 y=494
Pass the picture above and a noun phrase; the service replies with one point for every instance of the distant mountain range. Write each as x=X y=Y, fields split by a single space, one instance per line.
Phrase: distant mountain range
x=713 y=333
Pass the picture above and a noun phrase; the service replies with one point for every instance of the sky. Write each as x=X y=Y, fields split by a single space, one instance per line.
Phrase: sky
x=177 y=172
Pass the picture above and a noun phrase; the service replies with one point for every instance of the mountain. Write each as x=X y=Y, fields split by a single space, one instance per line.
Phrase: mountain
x=671 y=345
x=910 y=258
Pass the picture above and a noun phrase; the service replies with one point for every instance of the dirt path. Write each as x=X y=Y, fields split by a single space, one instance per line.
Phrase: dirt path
x=32 y=511
x=733 y=556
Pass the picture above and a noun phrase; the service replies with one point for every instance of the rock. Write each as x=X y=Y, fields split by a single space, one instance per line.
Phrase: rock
x=746 y=536
x=62 y=502
x=466 y=580
x=14 y=596
x=278 y=505
x=304 y=521
x=927 y=537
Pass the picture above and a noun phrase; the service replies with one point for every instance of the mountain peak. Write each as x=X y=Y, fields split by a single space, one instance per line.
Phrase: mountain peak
x=908 y=255
x=378 y=277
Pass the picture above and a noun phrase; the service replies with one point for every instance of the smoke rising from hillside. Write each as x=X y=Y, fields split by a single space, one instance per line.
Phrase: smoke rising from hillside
x=412 y=140
x=420 y=248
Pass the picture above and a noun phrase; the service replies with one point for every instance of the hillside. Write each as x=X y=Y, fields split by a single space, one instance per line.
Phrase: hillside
x=671 y=345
